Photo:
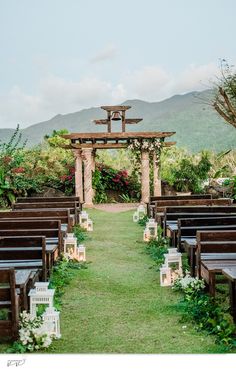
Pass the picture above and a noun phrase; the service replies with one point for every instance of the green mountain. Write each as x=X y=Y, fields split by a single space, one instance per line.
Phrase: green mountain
x=196 y=124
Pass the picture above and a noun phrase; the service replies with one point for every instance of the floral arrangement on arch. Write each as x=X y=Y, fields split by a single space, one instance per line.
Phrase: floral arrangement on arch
x=152 y=145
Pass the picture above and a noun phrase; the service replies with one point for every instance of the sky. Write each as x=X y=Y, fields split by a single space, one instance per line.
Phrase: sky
x=61 y=56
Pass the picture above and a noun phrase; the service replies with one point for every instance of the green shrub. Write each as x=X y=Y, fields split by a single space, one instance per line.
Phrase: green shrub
x=205 y=311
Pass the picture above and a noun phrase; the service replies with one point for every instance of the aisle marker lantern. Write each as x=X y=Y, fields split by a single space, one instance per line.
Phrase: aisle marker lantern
x=81 y=256
x=174 y=257
x=70 y=244
x=135 y=217
x=83 y=219
x=146 y=235
x=52 y=322
x=141 y=211
x=165 y=276
x=89 y=225
x=40 y=295
x=152 y=226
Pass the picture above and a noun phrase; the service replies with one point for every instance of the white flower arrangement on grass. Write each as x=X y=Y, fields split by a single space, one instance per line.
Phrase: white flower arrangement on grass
x=188 y=284
x=32 y=334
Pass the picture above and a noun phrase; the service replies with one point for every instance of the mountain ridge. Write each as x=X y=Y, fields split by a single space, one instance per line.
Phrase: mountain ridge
x=197 y=125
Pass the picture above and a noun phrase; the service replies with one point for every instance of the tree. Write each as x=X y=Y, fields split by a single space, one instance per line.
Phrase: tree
x=224 y=101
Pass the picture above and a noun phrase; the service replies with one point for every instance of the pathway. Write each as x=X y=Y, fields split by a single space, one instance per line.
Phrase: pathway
x=117 y=304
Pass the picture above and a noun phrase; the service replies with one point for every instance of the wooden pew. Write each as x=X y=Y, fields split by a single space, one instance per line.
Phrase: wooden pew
x=154 y=199
x=73 y=207
x=161 y=205
x=51 y=229
x=187 y=227
x=40 y=199
x=24 y=253
x=172 y=227
x=173 y=213
x=215 y=251
x=9 y=301
x=45 y=214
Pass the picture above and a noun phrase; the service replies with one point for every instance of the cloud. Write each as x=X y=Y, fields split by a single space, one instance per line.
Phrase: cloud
x=148 y=83
x=108 y=53
x=57 y=95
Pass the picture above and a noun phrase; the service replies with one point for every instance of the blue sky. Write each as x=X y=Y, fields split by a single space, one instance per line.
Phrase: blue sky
x=59 y=56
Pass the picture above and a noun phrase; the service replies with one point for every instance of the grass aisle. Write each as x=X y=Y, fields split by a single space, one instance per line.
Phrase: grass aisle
x=117 y=304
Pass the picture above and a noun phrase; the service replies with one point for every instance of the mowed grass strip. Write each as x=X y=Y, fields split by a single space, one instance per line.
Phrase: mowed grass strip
x=117 y=304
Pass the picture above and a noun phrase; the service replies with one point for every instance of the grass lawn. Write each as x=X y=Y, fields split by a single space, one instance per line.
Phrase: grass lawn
x=117 y=304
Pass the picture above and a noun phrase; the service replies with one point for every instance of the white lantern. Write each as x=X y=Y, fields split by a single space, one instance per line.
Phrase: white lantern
x=146 y=235
x=70 y=244
x=89 y=225
x=165 y=276
x=135 y=217
x=174 y=258
x=152 y=226
x=172 y=251
x=81 y=256
x=40 y=295
x=141 y=211
x=83 y=219
x=51 y=319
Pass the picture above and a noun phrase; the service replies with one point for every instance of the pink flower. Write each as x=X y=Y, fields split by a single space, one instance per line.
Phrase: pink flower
x=18 y=170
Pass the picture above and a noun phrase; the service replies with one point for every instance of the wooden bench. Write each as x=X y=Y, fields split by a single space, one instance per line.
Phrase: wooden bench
x=230 y=274
x=37 y=214
x=173 y=213
x=51 y=229
x=154 y=199
x=187 y=227
x=61 y=199
x=215 y=251
x=9 y=304
x=73 y=207
x=24 y=253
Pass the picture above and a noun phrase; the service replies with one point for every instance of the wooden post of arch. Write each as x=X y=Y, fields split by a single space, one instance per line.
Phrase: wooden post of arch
x=78 y=174
x=88 y=190
x=145 y=174
x=156 y=177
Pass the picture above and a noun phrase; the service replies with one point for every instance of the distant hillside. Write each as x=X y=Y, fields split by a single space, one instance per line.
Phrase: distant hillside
x=196 y=124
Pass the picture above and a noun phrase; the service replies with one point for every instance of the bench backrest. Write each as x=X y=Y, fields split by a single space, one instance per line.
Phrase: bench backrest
x=50 y=205
x=29 y=224
x=180 y=197
x=46 y=214
x=48 y=199
x=47 y=228
x=191 y=231
x=178 y=212
x=217 y=242
x=8 y=304
x=225 y=235
x=25 y=248
x=204 y=221
x=73 y=207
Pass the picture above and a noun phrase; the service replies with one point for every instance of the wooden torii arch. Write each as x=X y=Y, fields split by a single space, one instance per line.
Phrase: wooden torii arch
x=84 y=146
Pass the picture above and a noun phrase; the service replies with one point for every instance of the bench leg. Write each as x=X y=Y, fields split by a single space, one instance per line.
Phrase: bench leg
x=212 y=284
x=232 y=294
x=192 y=262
